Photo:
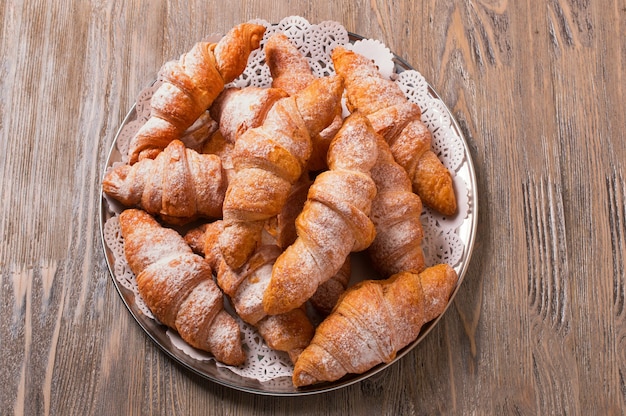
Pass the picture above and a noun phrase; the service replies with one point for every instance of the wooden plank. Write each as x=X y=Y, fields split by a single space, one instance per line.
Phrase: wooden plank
x=538 y=326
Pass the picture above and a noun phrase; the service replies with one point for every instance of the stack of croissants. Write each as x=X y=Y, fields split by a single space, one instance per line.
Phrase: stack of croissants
x=274 y=188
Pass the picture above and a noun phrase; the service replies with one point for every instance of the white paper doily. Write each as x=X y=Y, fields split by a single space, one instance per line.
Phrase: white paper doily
x=446 y=240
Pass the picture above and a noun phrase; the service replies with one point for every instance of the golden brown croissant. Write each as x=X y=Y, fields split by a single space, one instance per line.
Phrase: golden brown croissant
x=291 y=72
x=177 y=286
x=334 y=221
x=372 y=322
x=290 y=332
x=282 y=230
x=189 y=87
x=399 y=121
x=396 y=212
x=239 y=109
x=178 y=186
x=268 y=160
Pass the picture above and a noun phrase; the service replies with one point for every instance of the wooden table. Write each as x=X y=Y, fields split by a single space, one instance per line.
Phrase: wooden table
x=538 y=326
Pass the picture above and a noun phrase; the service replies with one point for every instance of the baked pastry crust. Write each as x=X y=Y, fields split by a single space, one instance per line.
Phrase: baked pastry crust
x=177 y=286
x=372 y=322
x=190 y=85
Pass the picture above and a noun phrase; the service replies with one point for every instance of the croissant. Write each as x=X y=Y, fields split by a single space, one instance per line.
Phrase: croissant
x=178 y=186
x=177 y=286
x=334 y=221
x=291 y=72
x=282 y=230
x=239 y=109
x=396 y=212
x=372 y=322
x=290 y=332
x=189 y=87
x=399 y=121
x=268 y=160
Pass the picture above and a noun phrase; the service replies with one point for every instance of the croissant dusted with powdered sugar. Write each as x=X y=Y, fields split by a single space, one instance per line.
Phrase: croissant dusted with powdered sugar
x=290 y=70
x=396 y=214
x=239 y=109
x=268 y=160
x=282 y=230
x=178 y=186
x=178 y=287
x=334 y=221
x=399 y=121
x=372 y=322
x=190 y=85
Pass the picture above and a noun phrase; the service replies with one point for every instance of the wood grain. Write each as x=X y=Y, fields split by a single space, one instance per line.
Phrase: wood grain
x=539 y=324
